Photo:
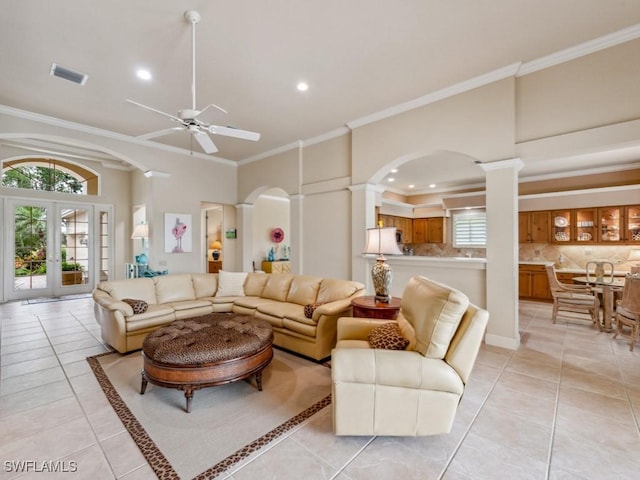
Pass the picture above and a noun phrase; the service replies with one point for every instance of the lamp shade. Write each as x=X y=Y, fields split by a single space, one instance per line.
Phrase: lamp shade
x=215 y=245
x=140 y=231
x=382 y=241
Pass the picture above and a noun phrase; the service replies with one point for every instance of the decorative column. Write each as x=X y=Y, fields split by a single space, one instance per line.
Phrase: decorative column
x=295 y=238
x=364 y=198
x=244 y=222
x=502 y=252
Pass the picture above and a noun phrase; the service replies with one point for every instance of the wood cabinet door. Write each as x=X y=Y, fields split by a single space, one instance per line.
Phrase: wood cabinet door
x=435 y=230
x=539 y=223
x=524 y=284
x=561 y=221
x=632 y=224
x=610 y=225
x=523 y=227
x=540 y=286
x=419 y=230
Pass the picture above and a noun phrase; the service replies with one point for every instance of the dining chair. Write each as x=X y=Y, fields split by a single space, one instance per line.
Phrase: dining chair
x=628 y=310
x=573 y=298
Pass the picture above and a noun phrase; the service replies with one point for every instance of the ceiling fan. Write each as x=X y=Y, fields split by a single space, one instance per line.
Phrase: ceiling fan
x=188 y=118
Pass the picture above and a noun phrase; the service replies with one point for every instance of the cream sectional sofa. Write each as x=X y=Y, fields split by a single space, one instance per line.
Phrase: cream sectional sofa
x=279 y=299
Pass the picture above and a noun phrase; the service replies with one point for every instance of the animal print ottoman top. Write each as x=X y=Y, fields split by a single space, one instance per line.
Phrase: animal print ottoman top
x=208 y=339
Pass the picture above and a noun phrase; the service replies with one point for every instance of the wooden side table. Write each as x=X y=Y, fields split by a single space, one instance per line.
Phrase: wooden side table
x=215 y=266
x=367 y=307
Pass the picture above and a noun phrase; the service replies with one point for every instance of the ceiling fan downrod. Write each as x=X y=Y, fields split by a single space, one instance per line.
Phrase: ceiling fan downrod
x=193 y=17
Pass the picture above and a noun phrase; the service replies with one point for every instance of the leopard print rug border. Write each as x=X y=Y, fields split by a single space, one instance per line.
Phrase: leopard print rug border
x=153 y=455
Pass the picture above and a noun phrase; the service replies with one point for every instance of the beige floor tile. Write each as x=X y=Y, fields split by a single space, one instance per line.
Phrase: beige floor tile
x=122 y=454
x=614 y=409
x=34 y=397
x=407 y=458
x=77 y=345
x=29 y=366
x=74 y=369
x=531 y=368
x=89 y=463
x=585 y=379
x=538 y=408
x=146 y=473
x=23 y=347
x=82 y=354
x=31 y=380
x=32 y=354
x=480 y=458
x=22 y=339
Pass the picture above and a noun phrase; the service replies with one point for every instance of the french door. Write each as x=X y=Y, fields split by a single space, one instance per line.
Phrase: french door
x=54 y=248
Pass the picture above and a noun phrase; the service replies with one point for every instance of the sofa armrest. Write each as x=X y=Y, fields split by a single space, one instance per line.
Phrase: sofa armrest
x=394 y=368
x=332 y=308
x=355 y=328
x=107 y=302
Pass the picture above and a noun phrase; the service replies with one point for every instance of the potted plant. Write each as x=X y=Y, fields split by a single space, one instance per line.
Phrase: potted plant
x=71 y=273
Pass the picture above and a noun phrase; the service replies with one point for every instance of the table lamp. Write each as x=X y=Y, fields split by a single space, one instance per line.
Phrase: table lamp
x=216 y=246
x=382 y=241
x=141 y=231
x=634 y=256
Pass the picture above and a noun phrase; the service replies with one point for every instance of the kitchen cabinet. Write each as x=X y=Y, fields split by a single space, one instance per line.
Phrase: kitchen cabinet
x=632 y=224
x=534 y=227
x=610 y=227
x=402 y=224
x=574 y=226
x=429 y=230
x=420 y=230
x=533 y=283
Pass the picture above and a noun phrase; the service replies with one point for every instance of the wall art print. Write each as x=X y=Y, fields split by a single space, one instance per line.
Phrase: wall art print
x=178 y=232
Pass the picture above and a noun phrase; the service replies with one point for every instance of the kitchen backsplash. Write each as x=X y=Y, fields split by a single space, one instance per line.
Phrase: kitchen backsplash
x=576 y=256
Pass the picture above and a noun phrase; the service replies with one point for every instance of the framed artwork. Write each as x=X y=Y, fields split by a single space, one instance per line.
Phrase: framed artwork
x=177 y=233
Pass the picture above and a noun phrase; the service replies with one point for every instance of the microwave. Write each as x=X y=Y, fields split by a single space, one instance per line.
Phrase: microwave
x=398 y=236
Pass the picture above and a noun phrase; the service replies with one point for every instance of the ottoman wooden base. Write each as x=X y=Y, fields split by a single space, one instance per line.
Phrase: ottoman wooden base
x=206 y=351
x=193 y=377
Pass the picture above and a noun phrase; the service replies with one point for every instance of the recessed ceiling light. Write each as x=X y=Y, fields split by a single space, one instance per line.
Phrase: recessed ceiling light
x=412 y=186
x=302 y=86
x=433 y=185
x=395 y=170
x=391 y=179
x=143 y=74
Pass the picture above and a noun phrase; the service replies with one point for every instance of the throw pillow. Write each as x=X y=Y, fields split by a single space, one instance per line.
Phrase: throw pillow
x=387 y=336
x=139 y=306
x=231 y=284
x=309 y=308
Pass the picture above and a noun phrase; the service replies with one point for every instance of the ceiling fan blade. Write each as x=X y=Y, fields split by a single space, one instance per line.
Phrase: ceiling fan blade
x=160 y=133
x=205 y=142
x=234 y=132
x=173 y=117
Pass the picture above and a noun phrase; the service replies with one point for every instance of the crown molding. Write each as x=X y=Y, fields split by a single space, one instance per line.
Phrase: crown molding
x=270 y=153
x=456 y=89
x=78 y=127
x=580 y=50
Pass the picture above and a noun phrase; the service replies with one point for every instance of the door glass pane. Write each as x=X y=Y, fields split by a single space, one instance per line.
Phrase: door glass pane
x=74 y=247
x=104 y=247
x=30 y=247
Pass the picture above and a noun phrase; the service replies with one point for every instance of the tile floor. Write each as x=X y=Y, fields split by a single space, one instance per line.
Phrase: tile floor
x=566 y=405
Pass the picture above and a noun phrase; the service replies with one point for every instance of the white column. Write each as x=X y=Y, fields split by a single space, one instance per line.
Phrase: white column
x=244 y=222
x=363 y=216
x=295 y=224
x=502 y=252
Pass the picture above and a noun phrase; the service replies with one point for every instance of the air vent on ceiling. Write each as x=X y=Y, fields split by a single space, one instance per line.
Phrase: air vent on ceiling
x=68 y=74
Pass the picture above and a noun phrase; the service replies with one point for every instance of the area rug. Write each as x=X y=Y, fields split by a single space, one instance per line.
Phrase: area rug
x=227 y=423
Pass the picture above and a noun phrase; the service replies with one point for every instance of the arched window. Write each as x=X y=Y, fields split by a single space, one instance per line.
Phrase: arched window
x=50 y=175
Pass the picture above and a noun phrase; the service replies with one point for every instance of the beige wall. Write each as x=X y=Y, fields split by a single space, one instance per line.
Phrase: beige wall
x=592 y=91
x=269 y=212
x=478 y=123
x=281 y=170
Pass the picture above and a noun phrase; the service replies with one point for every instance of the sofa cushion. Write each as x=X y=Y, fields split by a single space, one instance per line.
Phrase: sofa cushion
x=155 y=315
x=281 y=309
x=250 y=302
x=138 y=306
x=254 y=283
x=430 y=313
x=387 y=336
x=277 y=287
x=332 y=289
x=204 y=284
x=303 y=289
x=174 y=288
x=231 y=284
x=138 y=288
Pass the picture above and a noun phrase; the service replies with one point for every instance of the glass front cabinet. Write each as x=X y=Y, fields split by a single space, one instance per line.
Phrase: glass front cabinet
x=610 y=224
x=632 y=224
x=562 y=221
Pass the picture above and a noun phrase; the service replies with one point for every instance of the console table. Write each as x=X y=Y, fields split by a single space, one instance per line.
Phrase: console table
x=279 y=266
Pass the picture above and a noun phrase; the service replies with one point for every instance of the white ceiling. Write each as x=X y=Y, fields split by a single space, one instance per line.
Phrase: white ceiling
x=358 y=56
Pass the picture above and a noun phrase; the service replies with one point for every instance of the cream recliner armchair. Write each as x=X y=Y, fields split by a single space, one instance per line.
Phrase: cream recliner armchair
x=410 y=392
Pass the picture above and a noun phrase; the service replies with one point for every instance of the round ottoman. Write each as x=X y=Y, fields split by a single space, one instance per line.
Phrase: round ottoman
x=206 y=351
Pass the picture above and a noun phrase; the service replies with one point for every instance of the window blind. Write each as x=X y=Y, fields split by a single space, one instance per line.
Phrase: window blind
x=470 y=229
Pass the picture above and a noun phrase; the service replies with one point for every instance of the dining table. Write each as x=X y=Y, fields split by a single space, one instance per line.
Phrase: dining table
x=608 y=286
